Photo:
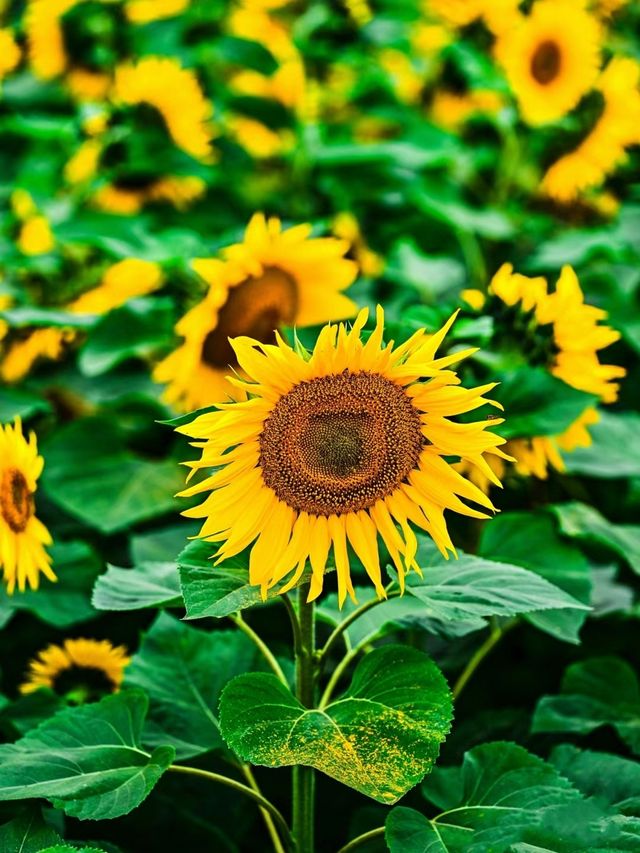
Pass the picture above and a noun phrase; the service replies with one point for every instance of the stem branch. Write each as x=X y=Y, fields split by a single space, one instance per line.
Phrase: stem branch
x=493 y=639
x=362 y=839
x=266 y=652
x=266 y=817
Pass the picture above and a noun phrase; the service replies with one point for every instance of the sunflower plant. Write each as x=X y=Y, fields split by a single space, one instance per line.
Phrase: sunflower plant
x=318 y=426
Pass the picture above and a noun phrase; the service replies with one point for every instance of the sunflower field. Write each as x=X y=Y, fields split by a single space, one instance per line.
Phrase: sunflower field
x=319 y=426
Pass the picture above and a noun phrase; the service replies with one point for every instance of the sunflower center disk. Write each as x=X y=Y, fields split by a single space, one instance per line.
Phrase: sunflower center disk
x=16 y=501
x=256 y=307
x=83 y=683
x=339 y=443
x=545 y=62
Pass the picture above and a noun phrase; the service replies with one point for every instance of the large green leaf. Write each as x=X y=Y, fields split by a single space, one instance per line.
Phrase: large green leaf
x=381 y=737
x=91 y=475
x=86 y=760
x=136 y=330
x=614 y=451
x=146 y=585
x=586 y=523
x=67 y=601
x=487 y=804
x=27 y=833
x=15 y=402
x=510 y=538
x=612 y=780
x=536 y=403
x=597 y=692
x=183 y=671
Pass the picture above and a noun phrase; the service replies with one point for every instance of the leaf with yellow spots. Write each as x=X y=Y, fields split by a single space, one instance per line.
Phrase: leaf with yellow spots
x=380 y=738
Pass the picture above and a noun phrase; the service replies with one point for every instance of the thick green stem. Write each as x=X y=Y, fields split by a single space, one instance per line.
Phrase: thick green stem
x=304 y=777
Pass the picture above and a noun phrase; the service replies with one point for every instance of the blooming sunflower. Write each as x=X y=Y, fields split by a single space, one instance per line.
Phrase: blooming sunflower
x=83 y=39
x=273 y=278
x=559 y=332
x=551 y=58
x=9 y=52
x=604 y=147
x=340 y=447
x=80 y=670
x=22 y=536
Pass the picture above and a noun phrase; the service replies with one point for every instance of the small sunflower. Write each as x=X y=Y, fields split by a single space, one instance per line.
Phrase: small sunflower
x=79 y=670
x=341 y=447
x=604 y=147
x=451 y=110
x=273 y=278
x=83 y=39
x=9 y=53
x=551 y=58
x=22 y=536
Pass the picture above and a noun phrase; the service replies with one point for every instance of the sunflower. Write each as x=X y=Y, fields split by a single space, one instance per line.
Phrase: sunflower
x=22 y=536
x=83 y=39
x=257 y=139
x=498 y=15
x=35 y=236
x=451 y=110
x=9 y=53
x=79 y=670
x=178 y=190
x=346 y=227
x=121 y=281
x=339 y=447
x=604 y=148
x=273 y=278
x=144 y=11
x=551 y=58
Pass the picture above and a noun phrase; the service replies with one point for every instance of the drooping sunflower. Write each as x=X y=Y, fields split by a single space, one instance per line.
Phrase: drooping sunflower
x=158 y=124
x=337 y=448
x=604 y=147
x=561 y=333
x=22 y=536
x=80 y=670
x=273 y=278
x=124 y=280
x=83 y=39
x=551 y=58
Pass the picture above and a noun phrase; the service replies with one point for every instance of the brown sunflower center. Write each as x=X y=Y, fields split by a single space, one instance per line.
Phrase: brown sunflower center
x=339 y=443
x=545 y=62
x=16 y=501
x=82 y=683
x=255 y=307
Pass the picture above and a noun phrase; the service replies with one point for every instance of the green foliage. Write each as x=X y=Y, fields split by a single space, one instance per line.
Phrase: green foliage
x=148 y=585
x=27 y=833
x=614 y=450
x=87 y=761
x=381 y=737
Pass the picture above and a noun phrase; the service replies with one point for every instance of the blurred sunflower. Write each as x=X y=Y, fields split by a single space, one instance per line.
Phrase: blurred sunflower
x=559 y=332
x=145 y=11
x=79 y=670
x=273 y=278
x=551 y=58
x=159 y=121
x=498 y=15
x=82 y=39
x=451 y=110
x=34 y=236
x=120 y=282
x=22 y=536
x=338 y=447
x=9 y=53
x=346 y=227
x=604 y=147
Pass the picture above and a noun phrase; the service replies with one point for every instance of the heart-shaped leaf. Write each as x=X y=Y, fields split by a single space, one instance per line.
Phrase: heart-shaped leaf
x=380 y=738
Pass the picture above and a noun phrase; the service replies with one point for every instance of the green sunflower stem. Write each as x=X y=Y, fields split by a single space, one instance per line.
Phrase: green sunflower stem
x=304 y=777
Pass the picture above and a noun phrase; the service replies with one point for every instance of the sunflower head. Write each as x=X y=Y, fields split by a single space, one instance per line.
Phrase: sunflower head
x=78 y=670
x=9 y=53
x=22 y=536
x=551 y=58
x=345 y=445
x=274 y=278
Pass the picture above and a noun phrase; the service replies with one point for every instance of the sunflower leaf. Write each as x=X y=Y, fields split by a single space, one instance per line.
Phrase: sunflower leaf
x=183 y=671
x=27 y=833
x=614 y=451
x=594 y=693
x=585 y=523
x=380 y=738
x=86 y=760
x=149 y=584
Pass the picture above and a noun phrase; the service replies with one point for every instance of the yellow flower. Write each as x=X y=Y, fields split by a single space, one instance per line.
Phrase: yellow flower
x=143 y=11
x=22 y=536
x=22 y=204
x=162 y=83
x=273 y=278
x=178 y=190
x=258 y=139
x=451 y=110
x=498 y=15
x=122 y=281
x=84 y=163
x=359 y=11
x=5 y=302
x=604 y=148
x=286 y=85
x=80 y=670
x=534 y=456
x=9 y=53
x=346 y=227
x=23 y=353
x=35 y=237
x=345 y=446
x=252 y=22
x=406 y=80
x=551 y=58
